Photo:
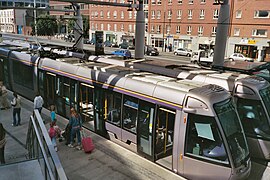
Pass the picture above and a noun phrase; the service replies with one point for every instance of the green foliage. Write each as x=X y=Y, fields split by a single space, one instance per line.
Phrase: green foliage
x=70 y=24
x=46 y=25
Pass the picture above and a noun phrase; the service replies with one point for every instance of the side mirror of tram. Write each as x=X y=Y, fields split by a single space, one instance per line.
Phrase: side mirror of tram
x=189 y=110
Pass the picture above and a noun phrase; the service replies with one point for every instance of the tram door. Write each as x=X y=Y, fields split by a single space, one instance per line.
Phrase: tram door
x=68 y=95
x=86 y=105
x=146 y=115
x=100 y=111
x=50 y=89
x=164 y=135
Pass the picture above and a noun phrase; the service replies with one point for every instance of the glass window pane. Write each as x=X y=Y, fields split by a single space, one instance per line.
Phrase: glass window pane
x=114 y=108
x=130 y=111
x=203 y=139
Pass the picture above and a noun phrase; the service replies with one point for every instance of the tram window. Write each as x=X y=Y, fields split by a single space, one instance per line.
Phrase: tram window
x=130 y=111
x=41 y=82
x=253 y=116
x=66 y=89
x=146 y=115
x=203 y=138
x=23 y=74
x=114 y=108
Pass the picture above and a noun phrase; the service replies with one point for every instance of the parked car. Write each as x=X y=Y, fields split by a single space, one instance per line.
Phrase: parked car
x=239 y=56
x=126 y=45
x=183 y=52
x=151 y=51
x=69 y=38
x=122 y=52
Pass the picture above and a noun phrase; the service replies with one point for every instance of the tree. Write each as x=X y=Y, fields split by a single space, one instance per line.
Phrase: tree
x=71 y=24
x=46 y=25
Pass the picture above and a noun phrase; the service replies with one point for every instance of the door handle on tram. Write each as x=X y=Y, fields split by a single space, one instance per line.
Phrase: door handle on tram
x=189 y=110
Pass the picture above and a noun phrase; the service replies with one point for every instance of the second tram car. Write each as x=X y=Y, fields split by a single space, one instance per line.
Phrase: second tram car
x=251 y=95
x=178 y=124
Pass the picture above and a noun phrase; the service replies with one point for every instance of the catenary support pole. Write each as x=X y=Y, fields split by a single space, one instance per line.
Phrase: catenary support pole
x=222 y=33
x=140 y=32
x=78 y=28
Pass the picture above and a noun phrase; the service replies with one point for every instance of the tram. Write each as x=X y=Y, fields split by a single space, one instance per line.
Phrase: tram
x=251 y=95
x=178 y=124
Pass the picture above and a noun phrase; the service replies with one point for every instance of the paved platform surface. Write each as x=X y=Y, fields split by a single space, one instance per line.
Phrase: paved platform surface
x=108 y=161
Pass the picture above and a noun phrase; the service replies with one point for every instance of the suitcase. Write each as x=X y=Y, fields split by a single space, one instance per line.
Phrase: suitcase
x=87 y=143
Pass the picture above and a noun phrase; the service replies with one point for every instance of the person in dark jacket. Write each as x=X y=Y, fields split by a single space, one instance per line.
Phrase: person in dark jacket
x=2 y=143
x=76 y=125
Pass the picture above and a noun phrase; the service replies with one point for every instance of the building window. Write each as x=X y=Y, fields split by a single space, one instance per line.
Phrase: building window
x=236 y=32
x=129 y=27
x=215 y=15
x=115 y=14
x=101 y=27
x=170 y=14
x=259 y=32
x=190 y=14
x=152 y=28
x=203 y=1
x=168 y=29
x=179 y=14
x=145 y=14
x=129 y=14
x=189 y=29
x=135 y=14
x=115 y=27
x=200 y=30
x=214 y=31
x=92 y=26
x=238 y=14
x=158 y=14
x=202 y=14
x=101 y=14
x=261 y=14
x=179 y=1
x=170 y=2
x=178 y=29
x=153 y=14
x=108 y=27
x=96 y=14
x=108 y=14
x=96 y=26
x=122 y=27
x=159 y=2
x=153 y=1
x=190 y=1
x=158 y=28
x=122 y=15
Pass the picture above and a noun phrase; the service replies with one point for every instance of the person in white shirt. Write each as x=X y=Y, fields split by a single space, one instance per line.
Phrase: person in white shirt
x=16 y=104
x=38 y=103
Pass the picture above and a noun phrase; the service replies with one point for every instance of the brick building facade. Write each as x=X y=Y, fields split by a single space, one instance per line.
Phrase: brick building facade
x=188 y=24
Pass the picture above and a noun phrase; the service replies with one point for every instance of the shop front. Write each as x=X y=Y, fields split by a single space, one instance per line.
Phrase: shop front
x=255 y=48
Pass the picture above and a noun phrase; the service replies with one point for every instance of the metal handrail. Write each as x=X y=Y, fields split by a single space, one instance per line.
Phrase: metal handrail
x=44 y=141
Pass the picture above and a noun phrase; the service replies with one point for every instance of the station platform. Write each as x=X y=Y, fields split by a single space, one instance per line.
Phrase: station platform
x=107 y=162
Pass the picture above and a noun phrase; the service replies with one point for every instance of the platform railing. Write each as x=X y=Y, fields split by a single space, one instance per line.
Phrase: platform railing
x=40 y=147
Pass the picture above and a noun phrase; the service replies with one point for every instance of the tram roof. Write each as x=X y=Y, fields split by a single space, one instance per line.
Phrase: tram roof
x=113 y=76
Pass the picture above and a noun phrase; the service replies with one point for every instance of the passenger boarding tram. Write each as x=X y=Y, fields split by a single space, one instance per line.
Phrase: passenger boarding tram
x=251 y=95
x=178 y=124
